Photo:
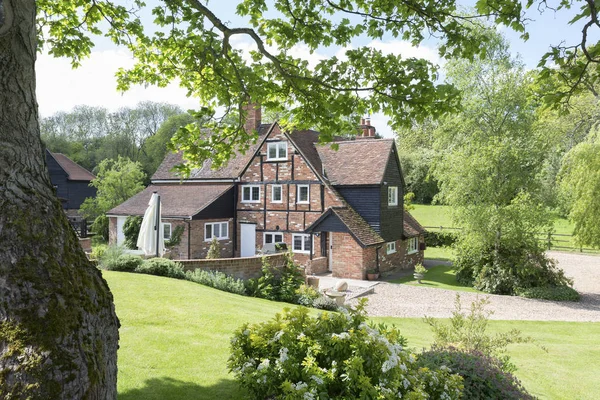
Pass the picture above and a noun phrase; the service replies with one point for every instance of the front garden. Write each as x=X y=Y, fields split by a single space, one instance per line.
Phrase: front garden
x=175 y=339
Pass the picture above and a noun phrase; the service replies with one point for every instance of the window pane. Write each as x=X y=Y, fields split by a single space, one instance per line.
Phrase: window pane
x=276 y=193
x=224 y=229
x=167 y=231
x=303 y=193
x=278 y=238
x=307 y=242
x=297 y=242
x=216 y=230
x=208 y=228
x=282 y=147
x=255 y=193
x=272 y=150
x=246 y=193
x=268 y=238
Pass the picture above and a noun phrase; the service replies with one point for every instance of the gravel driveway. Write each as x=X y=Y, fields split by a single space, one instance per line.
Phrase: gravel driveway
x=414 y=301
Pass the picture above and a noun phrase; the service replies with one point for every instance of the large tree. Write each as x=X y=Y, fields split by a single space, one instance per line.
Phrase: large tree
x=58 y=327
x=58 y=334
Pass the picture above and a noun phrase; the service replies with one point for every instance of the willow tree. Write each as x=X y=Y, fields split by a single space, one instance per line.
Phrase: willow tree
x=58 y=330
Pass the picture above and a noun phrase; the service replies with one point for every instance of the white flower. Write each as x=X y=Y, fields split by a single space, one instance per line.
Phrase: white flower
x=264 y=364
x=406 y=383
x=246 y=332
x=300 y=385
x=301 y=336
x=317 y=379
x=283 y=354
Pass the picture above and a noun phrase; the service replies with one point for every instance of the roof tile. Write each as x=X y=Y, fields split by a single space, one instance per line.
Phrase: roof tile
x=75 y=171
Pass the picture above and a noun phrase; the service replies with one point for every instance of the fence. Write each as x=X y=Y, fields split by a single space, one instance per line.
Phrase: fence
x=80 y=226
x=552 y=241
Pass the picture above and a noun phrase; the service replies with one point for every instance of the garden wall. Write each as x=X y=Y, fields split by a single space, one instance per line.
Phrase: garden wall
x=240 y=268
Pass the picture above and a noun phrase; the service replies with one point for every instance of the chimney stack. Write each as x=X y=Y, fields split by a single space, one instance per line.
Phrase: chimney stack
x=253 y=116
x=368 y=131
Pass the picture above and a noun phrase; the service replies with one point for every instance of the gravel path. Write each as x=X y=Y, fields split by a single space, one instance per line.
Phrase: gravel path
x=414 y=301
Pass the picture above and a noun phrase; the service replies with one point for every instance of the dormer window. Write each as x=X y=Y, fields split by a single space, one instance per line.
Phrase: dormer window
x=276 y=151
x=393 y=196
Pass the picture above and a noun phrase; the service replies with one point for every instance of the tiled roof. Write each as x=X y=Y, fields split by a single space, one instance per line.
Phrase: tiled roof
x=75 y=171
x=357 y=226
x=356 y=162
x=412 y=227
x=232 y=170
x=176 y=200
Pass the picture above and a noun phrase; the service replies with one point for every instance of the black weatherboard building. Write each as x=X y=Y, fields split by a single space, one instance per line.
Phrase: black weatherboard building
x=71 y=181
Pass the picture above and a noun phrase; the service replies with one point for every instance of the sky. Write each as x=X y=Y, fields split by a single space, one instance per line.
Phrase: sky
x=60 y=88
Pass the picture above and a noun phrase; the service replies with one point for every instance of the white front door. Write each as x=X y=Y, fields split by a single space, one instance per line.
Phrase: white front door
x=330 y=252
x=248 y=239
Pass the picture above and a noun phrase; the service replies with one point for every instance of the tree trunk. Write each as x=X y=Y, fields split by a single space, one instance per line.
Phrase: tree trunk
x=58 y=327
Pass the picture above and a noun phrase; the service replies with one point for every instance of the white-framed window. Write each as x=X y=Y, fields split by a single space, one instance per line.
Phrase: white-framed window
x=250 y=194
x=392 y=195
x=390 y=247
x=220 y=230
x=276 y=151
x=276 y=194
x=273 y=237
x=167 y=230
x=301 y=243
x=413 y=245
x=303 y=194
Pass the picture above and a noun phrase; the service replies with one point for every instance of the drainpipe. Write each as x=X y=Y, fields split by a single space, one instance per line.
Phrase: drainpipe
x=377 y=258
x=158 y=225
x=189 y=228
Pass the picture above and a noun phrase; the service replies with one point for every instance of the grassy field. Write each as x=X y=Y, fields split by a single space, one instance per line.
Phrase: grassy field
x=175 y=342
x=440 y=216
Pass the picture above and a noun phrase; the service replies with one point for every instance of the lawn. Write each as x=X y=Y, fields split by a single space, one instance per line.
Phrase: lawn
x=175 y=342
x=440 y=277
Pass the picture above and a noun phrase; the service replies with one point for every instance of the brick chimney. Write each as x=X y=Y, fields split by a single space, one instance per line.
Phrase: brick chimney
x=253 y=116
x=368 y=131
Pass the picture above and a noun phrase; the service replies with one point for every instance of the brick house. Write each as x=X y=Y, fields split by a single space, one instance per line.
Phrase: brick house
x=339 y=211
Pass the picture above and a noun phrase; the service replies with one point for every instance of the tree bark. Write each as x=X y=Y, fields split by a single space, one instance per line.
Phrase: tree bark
x=58 y=327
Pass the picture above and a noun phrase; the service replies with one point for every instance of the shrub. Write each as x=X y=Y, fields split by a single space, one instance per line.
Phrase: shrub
x=325 y=303
x=306 y=295
x=214 y=251
x=126 y=263
x=100 y=227
x=333 y=355
x=554 y=293
x=175 y=237
x=440 y=239
x=483 y=376
x=277 y=284
x=505 y=270
x=217 y=280
x=110 y=257
x=131 y=231
x=98 y=251
x=468 y=332
x=161 y=267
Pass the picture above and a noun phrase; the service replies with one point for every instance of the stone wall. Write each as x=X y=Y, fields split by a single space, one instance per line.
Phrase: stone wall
x=240 y=268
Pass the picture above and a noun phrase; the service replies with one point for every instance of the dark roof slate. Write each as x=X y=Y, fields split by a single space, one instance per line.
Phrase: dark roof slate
x=74 y=171
x=356 y=162
x=412 y=227
x=232 y=170
x=177 y=200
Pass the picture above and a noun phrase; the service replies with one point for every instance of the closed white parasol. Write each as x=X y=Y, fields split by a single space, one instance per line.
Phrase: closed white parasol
x=151 y=238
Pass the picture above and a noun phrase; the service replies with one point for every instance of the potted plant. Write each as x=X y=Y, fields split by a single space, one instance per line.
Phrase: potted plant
x=372 y=274
x=420 y=272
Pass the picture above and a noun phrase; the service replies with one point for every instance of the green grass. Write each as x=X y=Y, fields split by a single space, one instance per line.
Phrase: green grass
x=440 y=277
x=175 y=342
x=439 y=253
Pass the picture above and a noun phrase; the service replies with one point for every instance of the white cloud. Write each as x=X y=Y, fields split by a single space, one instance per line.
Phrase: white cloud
x=60 y=88
x=407 y=50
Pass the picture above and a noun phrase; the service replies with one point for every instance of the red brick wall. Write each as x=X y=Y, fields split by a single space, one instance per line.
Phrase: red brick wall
x=317 y=266
x=239 y=268
x=400 y=259
x=348 y=257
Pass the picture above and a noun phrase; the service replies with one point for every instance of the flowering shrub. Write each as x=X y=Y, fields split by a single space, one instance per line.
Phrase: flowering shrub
x=483 y=375
x=334 y=355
